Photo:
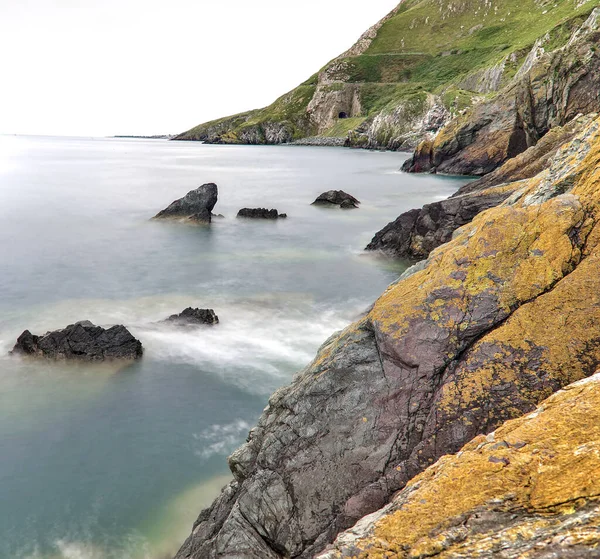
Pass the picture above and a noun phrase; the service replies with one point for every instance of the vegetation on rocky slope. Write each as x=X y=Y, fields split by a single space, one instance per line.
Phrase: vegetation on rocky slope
x=426 y=61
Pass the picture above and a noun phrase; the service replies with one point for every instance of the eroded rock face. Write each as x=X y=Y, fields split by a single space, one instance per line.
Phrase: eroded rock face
x=82 y=341
x=193 y=317
x=414 y=234
x=529 y=489
x=336 y=198
x=195 y=206
x=260 y=213
x=553 y=89
x=474 y=337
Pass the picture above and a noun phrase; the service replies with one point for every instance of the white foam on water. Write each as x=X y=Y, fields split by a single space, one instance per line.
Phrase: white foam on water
x=221 y=439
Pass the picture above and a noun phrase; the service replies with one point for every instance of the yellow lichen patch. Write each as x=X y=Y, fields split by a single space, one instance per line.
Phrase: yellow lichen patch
x=553 y=334
x=532 y=468
x=515 y=253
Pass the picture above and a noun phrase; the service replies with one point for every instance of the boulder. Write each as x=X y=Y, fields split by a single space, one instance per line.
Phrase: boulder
x=196 y=205
x=82 y=341
x=336 y=198
x=260 y=213
x=193 y=317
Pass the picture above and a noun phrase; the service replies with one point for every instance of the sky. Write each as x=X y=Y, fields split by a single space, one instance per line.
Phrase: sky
x=143 y=67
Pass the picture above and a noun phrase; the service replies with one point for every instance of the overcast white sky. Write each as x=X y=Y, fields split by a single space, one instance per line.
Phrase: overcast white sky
x=104 y=67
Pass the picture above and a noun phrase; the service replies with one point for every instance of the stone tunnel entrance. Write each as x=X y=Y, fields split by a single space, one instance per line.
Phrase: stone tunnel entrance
x=343 y=115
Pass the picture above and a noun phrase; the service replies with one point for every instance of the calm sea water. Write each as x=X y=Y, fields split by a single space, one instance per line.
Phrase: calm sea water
x=102 y=462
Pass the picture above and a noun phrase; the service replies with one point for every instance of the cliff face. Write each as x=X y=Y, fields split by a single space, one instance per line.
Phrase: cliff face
x=549 y=90
x=415 y=233
x=530 y=489
x=475 y=336
x=423 y=64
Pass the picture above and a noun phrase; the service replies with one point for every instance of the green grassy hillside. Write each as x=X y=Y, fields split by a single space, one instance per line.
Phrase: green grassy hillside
x=449 y=52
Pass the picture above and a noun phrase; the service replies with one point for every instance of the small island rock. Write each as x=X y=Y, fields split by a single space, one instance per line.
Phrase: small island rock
x=196 y=205
x=192 y=317
x=260 y=213
x=337 y=198
x=83 y=341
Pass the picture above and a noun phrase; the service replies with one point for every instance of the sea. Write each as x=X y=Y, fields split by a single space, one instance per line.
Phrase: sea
x=115 y=461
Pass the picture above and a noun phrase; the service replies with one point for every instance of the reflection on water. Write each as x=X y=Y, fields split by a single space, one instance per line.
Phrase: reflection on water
x=109 y=462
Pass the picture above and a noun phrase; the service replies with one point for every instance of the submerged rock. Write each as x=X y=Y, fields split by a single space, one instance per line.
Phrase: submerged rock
x=82 y=340
x=260 y=213
x=196 y=205
x=498 y=319
x=190 y=317
x=337 y=198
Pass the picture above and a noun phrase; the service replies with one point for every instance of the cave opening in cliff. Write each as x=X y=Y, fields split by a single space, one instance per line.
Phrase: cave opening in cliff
x=343 y=115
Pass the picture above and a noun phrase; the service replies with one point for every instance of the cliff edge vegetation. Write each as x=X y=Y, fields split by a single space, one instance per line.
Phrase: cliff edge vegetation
x=423 y=64
x=491 y=324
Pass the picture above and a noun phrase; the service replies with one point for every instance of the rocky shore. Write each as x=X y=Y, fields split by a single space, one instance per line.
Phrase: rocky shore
x=456 y=417
x=467 y=340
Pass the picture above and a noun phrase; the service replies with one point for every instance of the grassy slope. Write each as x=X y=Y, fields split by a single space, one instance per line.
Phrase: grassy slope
x=428 y=46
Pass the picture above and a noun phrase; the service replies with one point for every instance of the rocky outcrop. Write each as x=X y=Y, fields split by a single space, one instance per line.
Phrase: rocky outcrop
x=558 y=86
x=414 y=234
x=195 y=206
x=477 y=335
x=336 y=198
x=401 y=126
x=260 y=213
x=529 y=489
x=193 y=317
x=82 y=341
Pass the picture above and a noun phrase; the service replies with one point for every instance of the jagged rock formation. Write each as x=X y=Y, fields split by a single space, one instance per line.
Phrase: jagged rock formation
x=193 y=317
x=260 y=213
x=494 y=322
x=195 y=206
x=550 y=90
x=427 y=62
x=415 y=233
x=529 y=489
x=336 y=198
x=82 y=341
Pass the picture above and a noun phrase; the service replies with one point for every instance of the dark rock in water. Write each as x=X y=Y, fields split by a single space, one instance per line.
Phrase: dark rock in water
x=415 y=233
x=282 y=216
x=82 y=340
x=196 y=205
x=260 y=213
x=220 y=216
x=337 y=198
x=192 y=316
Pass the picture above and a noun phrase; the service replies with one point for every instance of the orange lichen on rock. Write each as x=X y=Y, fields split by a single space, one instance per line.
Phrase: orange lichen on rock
x=533 y=485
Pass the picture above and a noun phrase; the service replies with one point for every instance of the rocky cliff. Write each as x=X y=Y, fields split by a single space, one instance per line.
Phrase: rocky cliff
x=427 y=62
x=552 y=87
x=533 y=491
x=495 y=321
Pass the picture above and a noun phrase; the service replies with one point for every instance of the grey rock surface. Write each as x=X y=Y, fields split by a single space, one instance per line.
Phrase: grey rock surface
x=336 y=198
x=260 y=213
x=196 y=205
x=82 y=341
x=193 y=317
